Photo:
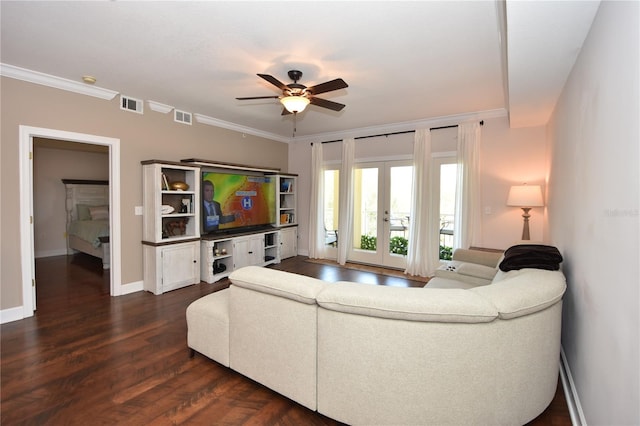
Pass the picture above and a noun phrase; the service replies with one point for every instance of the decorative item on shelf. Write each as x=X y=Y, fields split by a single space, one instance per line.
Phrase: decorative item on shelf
x=176 y=227
x=185 y=207
x=223 y=251
x=285 y=186
x=178 y=186
x=167 y=209
x=216 y=251
x=219 y=267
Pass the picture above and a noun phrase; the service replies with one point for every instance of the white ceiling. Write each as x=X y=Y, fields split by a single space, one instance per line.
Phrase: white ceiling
x=405 y=62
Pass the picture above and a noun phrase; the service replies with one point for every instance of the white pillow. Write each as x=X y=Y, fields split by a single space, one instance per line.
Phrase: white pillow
x=99 y=212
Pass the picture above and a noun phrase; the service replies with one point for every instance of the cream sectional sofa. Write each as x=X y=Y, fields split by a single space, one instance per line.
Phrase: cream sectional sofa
x=366 y=354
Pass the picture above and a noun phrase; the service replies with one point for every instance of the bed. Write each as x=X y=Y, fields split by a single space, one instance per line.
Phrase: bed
x=87 y=217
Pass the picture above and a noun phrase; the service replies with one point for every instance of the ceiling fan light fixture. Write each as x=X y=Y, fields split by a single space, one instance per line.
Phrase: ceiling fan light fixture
x=295 y=104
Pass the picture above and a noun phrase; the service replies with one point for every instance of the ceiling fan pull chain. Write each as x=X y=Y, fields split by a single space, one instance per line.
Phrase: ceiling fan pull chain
x=295 y=115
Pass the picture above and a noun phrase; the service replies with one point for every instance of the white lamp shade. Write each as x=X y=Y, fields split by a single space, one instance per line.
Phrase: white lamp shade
x=525 y=196
x=295 y=103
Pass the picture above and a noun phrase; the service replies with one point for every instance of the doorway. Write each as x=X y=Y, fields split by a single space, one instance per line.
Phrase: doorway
x=27 y=255
x=382 y=213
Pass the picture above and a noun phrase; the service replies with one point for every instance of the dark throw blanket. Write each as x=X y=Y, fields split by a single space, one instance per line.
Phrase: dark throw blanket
x=531 y=256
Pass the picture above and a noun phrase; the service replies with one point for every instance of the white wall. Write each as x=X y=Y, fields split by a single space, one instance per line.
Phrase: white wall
x=151 y=135
x=508 y=157
x=594 y=188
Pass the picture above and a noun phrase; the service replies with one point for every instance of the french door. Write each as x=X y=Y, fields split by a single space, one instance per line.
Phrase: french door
x=382 y=204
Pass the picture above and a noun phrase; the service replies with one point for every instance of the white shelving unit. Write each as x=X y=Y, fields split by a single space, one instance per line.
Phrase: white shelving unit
x=171 y=225
x=286 y=199
x=260 y=249
x=288 y=242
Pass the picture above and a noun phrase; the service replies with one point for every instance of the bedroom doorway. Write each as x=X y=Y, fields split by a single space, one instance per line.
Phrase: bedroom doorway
x=27 y=255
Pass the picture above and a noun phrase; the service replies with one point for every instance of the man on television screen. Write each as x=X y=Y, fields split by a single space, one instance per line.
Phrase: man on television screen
x=211 y=209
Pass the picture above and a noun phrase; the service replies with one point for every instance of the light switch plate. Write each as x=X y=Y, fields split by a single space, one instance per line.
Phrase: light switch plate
x=138 y=210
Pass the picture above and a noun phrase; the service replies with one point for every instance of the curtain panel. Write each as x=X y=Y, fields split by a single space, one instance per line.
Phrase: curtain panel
x=345 y=200
x=422 y=256
x=468 y=190
x=316 y=208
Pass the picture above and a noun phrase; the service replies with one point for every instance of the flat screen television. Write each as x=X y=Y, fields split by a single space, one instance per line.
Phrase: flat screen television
x=236 y=202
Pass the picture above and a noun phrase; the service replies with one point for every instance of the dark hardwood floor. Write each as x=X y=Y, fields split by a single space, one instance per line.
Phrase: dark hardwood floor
x=88 y=358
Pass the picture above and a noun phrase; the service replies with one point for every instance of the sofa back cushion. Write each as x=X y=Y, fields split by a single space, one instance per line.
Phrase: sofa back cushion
x=522 y=292
x=479 y=257
x=412 y=304
x=284 y=284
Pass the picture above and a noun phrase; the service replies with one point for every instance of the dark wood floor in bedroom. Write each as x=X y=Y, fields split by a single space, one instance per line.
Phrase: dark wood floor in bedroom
x=88 y=358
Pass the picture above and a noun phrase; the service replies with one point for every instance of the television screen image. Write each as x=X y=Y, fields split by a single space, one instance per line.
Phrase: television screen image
x=234 y=201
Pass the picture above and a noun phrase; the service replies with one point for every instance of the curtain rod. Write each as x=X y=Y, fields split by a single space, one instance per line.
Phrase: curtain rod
x=398 y=133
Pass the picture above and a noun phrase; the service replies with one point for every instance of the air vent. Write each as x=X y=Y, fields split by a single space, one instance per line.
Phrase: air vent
x=182 y=117
x=131 y=104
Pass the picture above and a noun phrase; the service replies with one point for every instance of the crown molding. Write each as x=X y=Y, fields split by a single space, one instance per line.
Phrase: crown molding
x=158 y=107
x=55 y=82
x=85 y=89
x=404 y=126
x=203 y=119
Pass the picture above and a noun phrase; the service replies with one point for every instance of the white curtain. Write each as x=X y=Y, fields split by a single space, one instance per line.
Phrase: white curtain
x=316 y=208
x=345 y=200
x=468 y=196
x=422 y=257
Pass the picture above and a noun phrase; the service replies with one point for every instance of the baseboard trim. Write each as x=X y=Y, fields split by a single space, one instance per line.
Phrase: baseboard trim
x=570 y=392
x=131 y=287
x=11 y=314
x=17 y=313
x=50 y=253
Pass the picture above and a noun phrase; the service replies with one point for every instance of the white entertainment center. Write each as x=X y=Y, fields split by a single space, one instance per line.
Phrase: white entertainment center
x=178 y=257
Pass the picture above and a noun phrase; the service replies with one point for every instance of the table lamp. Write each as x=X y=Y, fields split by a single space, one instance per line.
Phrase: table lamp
x=525 y=197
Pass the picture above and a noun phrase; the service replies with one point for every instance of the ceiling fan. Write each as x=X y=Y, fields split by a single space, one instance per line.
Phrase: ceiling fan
x=295 y=97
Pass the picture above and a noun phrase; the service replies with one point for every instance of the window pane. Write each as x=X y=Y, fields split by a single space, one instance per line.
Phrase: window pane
x=365 y=206
x=331 y=191
x=400 y=204
x=448 y=175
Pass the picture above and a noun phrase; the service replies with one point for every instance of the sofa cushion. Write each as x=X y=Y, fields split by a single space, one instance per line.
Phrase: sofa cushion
x=479 y=257
x=475 y=270
x=439 y=282
x=502 y=275
x=412 y=304
x=462 y=271
x=524 y=292
x=284 y=284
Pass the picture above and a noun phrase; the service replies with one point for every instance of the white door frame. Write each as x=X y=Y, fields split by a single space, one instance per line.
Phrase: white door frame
x=27 y=133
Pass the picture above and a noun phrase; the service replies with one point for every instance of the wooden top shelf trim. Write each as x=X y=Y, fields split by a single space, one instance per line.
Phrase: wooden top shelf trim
x=209 y=163
x=168 y=163
x=85 y=182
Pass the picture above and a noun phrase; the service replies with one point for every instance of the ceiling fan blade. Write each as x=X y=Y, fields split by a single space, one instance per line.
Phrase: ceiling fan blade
x=271 y=79
x=329 y=86
x=327 y=104
x=258 y=97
